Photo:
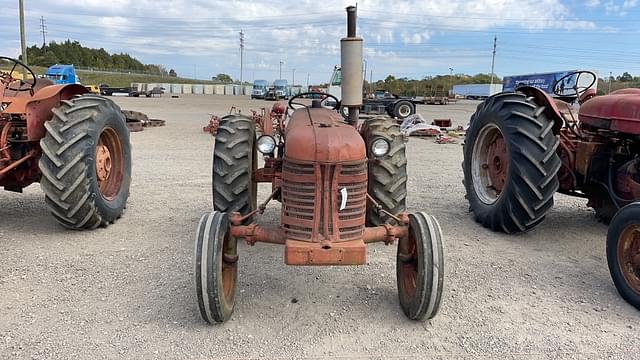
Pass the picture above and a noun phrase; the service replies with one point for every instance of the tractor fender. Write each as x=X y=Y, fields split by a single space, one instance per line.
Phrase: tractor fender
x=541 y=98
x=38 y=108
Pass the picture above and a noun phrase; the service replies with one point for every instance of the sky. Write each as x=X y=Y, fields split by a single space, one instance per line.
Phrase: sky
x=410 y=38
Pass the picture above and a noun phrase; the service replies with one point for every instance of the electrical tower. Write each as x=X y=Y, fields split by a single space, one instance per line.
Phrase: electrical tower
x=241 y=55
x=43 y=30
x=493 y=59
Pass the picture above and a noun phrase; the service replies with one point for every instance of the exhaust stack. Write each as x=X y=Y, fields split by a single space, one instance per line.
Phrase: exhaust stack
x=351 y=64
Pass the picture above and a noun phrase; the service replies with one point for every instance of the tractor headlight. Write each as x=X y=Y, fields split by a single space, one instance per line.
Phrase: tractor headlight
x=266 y=144
x=380 y=147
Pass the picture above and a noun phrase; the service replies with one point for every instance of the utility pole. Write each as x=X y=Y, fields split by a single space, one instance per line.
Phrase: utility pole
x=365 y=75
x=241 y=54
x=293 y=77
x=493 y=59
x=370 y=81
x=23 y=41
x=43 y=30
x=451 y=80
x=280 y=77
x=610 y=79
x=308 y=76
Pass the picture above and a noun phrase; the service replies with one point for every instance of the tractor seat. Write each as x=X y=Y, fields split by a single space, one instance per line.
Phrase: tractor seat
x=40 y=83
x=618 y=111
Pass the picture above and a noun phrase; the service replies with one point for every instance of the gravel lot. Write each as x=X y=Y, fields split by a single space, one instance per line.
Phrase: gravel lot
x=127 y=291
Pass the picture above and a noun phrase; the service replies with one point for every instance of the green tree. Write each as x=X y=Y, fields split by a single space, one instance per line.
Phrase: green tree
x=173 y=73
x=223 y=78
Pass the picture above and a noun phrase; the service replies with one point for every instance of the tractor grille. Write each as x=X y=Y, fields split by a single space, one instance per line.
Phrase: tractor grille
x=312 y=200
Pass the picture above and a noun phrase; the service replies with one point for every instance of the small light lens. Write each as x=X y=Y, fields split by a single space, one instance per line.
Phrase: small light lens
x=380 y=147
x=266 y=144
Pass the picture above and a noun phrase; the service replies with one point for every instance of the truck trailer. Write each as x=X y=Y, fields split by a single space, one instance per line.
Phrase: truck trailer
x=544 y=81
x=476 y=91
x=383 y=102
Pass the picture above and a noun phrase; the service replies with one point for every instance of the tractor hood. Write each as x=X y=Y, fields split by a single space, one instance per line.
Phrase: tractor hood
x=619 y=111
x=321 y=135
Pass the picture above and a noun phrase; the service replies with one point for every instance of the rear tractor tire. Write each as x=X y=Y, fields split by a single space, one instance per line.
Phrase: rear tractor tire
x=234 y=162
x=510 y=163
x=216 y=268
x=623 y=253
x=388 y=173
x=86 y=162
x=420 y=268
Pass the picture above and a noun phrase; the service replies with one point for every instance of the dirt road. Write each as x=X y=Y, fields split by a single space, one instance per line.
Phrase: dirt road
x=127 y=291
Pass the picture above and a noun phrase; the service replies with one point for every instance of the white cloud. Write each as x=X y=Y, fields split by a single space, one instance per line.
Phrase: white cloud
x=621 y=9
x=181 y=33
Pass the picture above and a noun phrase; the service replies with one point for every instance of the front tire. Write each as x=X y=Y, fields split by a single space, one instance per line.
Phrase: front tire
x=623 y=253
x=86 y=163
x=234 y=162
x=510 y=163
x=388 y=173
x=216 y=269
x=420 y=268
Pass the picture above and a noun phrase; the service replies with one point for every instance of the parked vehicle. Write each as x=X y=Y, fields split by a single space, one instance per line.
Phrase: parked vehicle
x=476 y=91
x=390 y=104
x=76 y=145
x=271 y=95
x=259 y=89
x=281 y=89
x=62 y=74
x=522 y=147
x=341 y=189
x=94 y=89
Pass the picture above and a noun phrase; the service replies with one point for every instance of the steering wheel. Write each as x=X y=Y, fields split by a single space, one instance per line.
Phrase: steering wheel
x=326 y=96
x=560 y=89
x=7 y=79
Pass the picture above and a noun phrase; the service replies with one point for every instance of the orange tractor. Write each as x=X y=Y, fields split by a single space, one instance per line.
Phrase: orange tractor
x=76 y=145
x=522 y=147
x=340 y=190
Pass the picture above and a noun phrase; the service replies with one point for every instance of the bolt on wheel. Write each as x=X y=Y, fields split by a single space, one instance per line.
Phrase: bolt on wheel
x=490 y=164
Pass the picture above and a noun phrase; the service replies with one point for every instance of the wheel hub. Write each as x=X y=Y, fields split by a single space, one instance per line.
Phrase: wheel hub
x=629 y=256
x=489 y=164
x=110 y=164
x=103 y=162
x=497 y=163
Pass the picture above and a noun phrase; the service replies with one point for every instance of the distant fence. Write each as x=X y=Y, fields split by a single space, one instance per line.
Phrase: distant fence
x=199 y=89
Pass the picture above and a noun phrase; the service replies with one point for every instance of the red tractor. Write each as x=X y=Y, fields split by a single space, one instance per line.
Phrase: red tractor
x=340 y=189
x=76 y=145
x=523 y=146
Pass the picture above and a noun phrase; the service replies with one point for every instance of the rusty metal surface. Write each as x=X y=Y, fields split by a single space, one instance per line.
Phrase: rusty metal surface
x=628 y=181
x=319 y=135
x=616 y=112
x=212 y=127
x=323 y=202
x=584 y=153
x=498 y=162
x=628 y=253
x=135 y=126
x=345 y=253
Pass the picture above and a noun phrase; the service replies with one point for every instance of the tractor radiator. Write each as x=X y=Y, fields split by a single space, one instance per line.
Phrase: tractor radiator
x=313 y=205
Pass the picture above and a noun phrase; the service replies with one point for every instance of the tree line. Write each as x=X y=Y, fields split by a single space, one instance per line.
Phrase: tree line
x=72 y=52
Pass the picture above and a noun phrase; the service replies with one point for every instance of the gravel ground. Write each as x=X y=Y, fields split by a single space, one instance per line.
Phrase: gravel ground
x=127 y=291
